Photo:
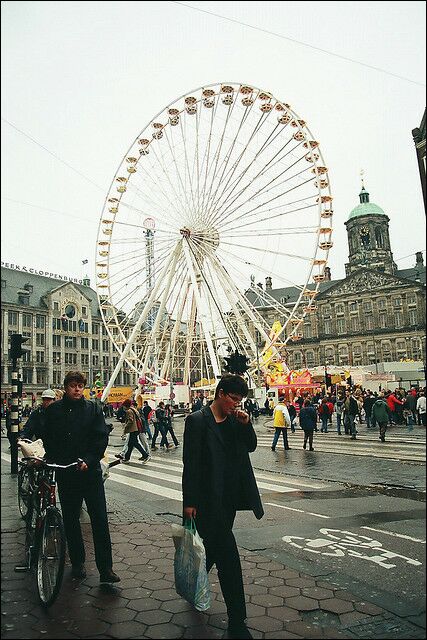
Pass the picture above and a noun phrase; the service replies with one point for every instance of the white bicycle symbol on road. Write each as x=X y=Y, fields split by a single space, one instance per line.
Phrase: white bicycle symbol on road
x=341 y=543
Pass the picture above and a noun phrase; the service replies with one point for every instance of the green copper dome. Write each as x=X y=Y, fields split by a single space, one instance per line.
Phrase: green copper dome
x=365 y=208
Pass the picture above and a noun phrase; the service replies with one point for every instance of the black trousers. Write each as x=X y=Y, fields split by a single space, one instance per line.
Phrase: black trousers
x=134 y=443
x=73 y=488
x=221 y=550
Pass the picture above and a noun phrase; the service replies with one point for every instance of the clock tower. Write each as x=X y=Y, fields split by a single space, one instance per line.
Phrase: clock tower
x=368 y=238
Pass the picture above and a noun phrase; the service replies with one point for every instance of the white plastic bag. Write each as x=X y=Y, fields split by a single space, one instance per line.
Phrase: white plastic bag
x=191 y=578
x=32 y=449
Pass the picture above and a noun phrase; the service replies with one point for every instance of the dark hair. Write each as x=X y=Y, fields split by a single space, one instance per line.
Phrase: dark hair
x=232 y=384
x=307 y=403
x=74 y=376
x=281 y=398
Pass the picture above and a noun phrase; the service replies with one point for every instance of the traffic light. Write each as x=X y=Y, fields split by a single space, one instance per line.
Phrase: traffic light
x=16 y=348
x=236 y=363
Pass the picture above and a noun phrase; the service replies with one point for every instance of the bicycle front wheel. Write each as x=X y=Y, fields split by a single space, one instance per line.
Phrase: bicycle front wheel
x=51 y=557
x=24 y=490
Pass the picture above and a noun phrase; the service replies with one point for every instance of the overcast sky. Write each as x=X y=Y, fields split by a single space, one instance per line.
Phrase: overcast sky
x=82 y=79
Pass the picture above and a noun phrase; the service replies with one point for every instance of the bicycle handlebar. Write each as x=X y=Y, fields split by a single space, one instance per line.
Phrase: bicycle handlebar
x=52 y=465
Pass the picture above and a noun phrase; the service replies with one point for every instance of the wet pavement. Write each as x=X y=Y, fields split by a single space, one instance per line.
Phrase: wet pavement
x=283 y=601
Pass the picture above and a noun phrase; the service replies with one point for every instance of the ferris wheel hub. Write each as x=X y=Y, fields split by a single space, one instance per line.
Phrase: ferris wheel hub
x=206 y=240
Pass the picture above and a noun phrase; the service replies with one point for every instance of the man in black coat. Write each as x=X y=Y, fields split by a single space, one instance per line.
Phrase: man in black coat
x=217 y=481
x=75 y=428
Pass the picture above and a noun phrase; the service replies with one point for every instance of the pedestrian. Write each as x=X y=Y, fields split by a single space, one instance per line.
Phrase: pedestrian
x=255 y=409
x=34 y=427
x=381 y=413
x=393 y=403
x=133 y=426
x=368 y=403
x=421 y=408
x=307 y=421
x=146 y=410
x=218 y=480
x=339 y=408
x=324 y=412
x=281 y=422
x=352 y=410
x=168 y=424
x=292 y=414
x=248 y=407
x=271 y=406
x=411 y=403
x=75 y=428
x=160 y=427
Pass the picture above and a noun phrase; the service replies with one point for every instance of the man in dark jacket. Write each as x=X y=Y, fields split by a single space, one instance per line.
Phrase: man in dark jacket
x=75 y=428
x=217 y=481
x=368 y=403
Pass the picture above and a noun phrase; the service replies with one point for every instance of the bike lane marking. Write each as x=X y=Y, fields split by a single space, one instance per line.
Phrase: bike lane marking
x=309 y=513
x=397 y=535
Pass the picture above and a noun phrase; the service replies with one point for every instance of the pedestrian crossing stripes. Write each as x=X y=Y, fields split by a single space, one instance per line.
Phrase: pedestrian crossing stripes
x=163 y=477
x=395 y=447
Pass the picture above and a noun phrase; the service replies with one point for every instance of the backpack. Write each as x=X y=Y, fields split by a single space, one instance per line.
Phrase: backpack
x=121 y=414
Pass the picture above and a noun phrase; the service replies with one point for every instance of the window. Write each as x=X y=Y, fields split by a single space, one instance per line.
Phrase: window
x=39 y=356
x=84 y=311
x=84 y=343
x=95 y=329
x=26 y=357
x=341 y=325
x=41 y=376
x=70 y=342
x=386 y=350
x=352 y=306
x=329 y=355
x=310 y=358
x=411 y=298
x=40 y=321
x=56 y=357
x=28 y=287
x=297 y=359
x=27 y=320
x=354 y=322
x=105 y=361
x=3 y=284
x=416 y=349
x=379 y=237
x=95 y=345
x=367 y=305
x=105 y=345
x=56 y=306
x=57 y=377
x=327 y=324
x=357 y=349
x=84 y=358
x=398 y=318
x=401 y=347
x=104 y=330
x=343 y=354
x=369 y=322
x=339 y=309
x=12 y=317
x=56 y=340
x=383 y=320
x=95 y=361
x=23 y=298
x=382 y=303
x=71 y=358
x=397 y=302
x=413 y=317
x=40 y=342
x=307 y=331
x=27 y=376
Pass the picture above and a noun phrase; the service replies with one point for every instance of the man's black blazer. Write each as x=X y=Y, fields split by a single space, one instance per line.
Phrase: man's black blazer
x=204 y=466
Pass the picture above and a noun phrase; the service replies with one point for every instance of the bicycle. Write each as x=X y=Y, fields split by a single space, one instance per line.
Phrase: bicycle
x=45 y=535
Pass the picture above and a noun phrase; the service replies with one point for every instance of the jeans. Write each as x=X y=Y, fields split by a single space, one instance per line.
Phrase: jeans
x=147 y=427
x=159 y=428
x=339 y=423
x=350 y=425
x=284 y=432
x=325 y=420
x=169 y=429
x=133 y=442
x=308 y=435
x=368 y=420
x=73 y=488
x=383 y=429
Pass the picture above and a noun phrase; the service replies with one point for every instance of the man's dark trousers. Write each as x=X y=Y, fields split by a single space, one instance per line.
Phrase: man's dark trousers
x=221 y=550
x=73 y=487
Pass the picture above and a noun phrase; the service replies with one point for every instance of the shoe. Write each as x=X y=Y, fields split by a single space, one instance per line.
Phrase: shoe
x=78 y=571
x=353 y=437
x=124 y=461
x=288 y=448
x=273 y=448
x=169 y=446
x=143 y=458
x=153 y=448
x=109 y=577
x=120 y=456
x=238 y=632
x=311 y=449
x=304 y=446
x=382 y=439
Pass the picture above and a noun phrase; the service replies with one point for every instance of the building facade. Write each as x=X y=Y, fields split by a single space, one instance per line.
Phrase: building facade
x=63 y=324
x=377 y=313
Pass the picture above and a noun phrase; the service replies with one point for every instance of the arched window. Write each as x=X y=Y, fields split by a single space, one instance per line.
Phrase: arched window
x=310 y=358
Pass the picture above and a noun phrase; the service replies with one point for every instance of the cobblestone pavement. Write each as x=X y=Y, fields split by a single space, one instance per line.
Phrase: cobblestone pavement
x=281 y=602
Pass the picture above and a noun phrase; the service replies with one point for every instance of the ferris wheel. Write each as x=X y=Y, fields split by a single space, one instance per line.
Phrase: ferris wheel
x=224 y=187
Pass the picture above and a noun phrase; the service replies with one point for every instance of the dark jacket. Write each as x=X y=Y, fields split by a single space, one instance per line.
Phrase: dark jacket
x=75 y=429
x=35 y=425
x=368 y=403
x=380 y=411
x=308 y=418
x=205 y=466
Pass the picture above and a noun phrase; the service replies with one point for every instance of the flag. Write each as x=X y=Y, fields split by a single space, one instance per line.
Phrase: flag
x=85 y=261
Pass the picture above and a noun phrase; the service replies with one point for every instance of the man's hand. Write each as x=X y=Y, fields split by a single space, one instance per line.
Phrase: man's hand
x=190 y=512
x=242 y=416
x=82 y=466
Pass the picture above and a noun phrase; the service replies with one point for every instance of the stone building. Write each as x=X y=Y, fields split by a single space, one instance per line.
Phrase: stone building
x=375 y=314
x=65 y=330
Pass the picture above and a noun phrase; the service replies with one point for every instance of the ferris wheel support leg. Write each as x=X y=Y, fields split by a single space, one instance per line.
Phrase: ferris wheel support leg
x=189 y=342
x=141 y=319
x=208 y=337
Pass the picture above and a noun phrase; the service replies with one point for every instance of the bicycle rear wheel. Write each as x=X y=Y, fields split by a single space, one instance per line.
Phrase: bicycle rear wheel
x=24 y=490
x=50 y=557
